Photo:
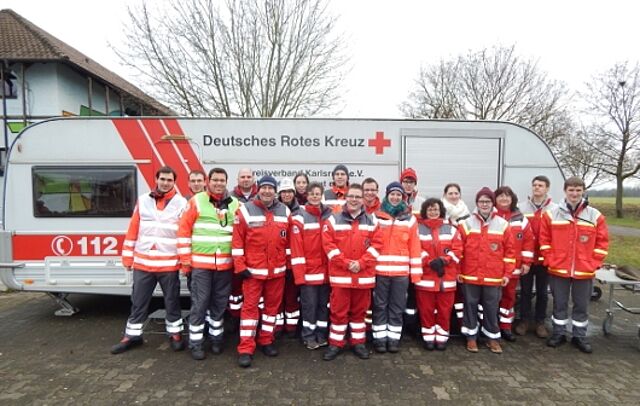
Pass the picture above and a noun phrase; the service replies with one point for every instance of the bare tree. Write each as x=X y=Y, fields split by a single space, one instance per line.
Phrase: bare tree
x=613 y=100
x=578 y=157
x=492 y=84
x=248 y=58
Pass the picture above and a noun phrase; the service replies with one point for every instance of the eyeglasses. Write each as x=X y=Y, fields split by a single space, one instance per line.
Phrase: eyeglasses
x=353 y=197
x=484 y=202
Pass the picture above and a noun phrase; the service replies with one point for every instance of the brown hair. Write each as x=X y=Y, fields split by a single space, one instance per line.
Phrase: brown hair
x=455 y=185
x=506 y=190
x=574 y=181
x=432 y=202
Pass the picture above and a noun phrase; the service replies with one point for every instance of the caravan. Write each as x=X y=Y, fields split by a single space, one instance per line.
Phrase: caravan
x=71 y=184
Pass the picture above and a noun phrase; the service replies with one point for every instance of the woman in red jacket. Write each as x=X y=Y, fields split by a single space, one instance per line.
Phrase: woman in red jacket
x=488 y=262
x=399 y=262
x=310 y=269
x=524 y=244
x=435 y=292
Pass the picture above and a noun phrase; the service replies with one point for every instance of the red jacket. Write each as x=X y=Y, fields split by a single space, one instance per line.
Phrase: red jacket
x=439 y=238
x=489 y=253
x=260 y=239
x=534 y=214
x=523 y=239
x=573 y=244
x=400 y=255
x=346 y=239
x=310 y=267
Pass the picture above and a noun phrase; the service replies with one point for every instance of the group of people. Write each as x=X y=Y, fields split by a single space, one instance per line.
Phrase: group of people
x=342 y=263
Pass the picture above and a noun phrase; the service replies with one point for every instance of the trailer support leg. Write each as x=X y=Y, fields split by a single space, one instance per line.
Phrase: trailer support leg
x=66 y=308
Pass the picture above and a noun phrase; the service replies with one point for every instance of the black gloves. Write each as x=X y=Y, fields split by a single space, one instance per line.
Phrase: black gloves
x=438 y=265
x=245 y=274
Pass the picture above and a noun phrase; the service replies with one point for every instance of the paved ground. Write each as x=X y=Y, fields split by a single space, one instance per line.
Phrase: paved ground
x=624 y=231
x=46 y=359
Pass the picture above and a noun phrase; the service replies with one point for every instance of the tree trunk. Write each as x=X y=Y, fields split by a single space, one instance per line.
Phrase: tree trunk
x=619 y=191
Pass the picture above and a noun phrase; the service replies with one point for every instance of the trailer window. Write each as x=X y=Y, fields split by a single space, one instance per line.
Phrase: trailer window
x=83 y=191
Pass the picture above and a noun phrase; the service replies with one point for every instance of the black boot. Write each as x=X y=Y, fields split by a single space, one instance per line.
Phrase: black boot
x=361 y=351
x=126 y=344
x=582 y=344
x=393 y=346
x=270 y=350
x=508 y=335
x=556 y=340
x=197 y=352
x=244 y=360
x=216 y=347
x=176 y=342
x=331 y=353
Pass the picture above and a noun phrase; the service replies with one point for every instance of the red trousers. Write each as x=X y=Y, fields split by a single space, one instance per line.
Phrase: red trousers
x=289 y=313
x=508 y=300
x=435 y=314
x=348 y=307
x=252 y=289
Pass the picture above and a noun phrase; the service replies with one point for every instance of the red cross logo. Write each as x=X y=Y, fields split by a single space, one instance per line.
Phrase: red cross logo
x=379 y=142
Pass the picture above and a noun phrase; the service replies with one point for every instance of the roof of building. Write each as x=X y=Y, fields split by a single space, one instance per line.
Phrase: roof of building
x=23 y=41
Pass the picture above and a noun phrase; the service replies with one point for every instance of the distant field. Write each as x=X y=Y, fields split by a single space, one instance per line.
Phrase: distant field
x=631 y=209
x=624 y=251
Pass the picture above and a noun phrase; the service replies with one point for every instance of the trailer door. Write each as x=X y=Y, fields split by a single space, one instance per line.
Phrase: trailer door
x=470 y=161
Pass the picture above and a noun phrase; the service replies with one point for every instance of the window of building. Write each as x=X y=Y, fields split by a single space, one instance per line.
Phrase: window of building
x=84 y=191
x=10 y=84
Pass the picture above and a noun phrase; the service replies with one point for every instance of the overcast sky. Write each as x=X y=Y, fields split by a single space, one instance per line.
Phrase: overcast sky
x=389 y=40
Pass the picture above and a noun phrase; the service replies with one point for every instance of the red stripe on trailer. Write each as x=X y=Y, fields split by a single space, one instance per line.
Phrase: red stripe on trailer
x=37 y=247
x=168 y=154
x=173 y=127
x=137 y=144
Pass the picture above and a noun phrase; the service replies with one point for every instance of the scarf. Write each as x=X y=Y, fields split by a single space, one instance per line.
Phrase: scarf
x=455 y=211
x=394 y=211
x=162 y=198
x=340 y=192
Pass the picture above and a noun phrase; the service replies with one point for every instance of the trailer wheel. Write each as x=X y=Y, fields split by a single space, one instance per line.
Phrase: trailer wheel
x=596 y=294
x=607 y=323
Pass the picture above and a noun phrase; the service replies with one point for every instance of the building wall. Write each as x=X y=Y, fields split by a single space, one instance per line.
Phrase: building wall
x=55 y=89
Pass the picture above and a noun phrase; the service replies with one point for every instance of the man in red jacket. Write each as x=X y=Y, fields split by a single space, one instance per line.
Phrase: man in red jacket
x=150 y=250
x=260 y=240
x=351 y=239
x=533 y=208
x=573 y=241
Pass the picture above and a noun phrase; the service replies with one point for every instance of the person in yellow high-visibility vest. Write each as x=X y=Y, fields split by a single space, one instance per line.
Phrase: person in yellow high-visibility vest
x=204 y=245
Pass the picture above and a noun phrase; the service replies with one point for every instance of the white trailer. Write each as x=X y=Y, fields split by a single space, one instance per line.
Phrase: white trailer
x=71 y=184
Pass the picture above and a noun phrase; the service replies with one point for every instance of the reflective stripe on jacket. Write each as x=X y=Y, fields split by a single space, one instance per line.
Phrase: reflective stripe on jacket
x=346 y=239
x=523 y=239
x=310 y=267
x=400 y=255
x=573 y=245
x=534 y=213
x=261 y=238
x=439 y=238
x=204 y=236
x=489 y=253
x=151 y=244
